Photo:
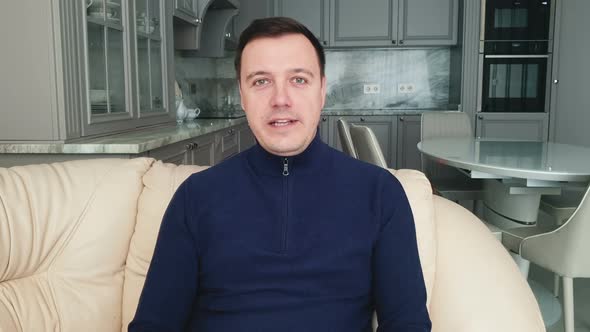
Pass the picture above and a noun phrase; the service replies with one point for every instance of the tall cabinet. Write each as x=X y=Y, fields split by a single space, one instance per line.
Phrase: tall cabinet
x=92 y=67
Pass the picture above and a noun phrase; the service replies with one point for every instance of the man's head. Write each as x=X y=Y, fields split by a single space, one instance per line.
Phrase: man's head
x=280 y=69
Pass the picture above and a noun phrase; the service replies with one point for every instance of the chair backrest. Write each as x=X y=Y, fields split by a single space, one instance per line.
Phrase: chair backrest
x=565 y=249
x=438 y=125
x=345 y=139
x=366 y=145
x=445 y=124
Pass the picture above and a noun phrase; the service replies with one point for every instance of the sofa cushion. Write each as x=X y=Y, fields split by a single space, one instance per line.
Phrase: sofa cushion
x=64 y=235
x=160 y=184
x=419 y=192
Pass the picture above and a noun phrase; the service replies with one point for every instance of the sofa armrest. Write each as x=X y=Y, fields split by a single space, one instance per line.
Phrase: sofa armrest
x=477 y=287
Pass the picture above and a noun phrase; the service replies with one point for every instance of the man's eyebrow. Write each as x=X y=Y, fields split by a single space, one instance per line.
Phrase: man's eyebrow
x=256 y=73
x=302 y=70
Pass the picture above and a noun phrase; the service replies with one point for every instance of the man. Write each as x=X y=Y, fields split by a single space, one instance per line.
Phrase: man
x=290 y=235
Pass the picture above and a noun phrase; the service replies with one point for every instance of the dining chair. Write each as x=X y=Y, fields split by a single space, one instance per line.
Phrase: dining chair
x=560 y=208
x=447 y=181
x=561 y=249
x=345 y=139
x=366 y=145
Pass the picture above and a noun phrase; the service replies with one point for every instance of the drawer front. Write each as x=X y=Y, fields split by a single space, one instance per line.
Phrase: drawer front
x=229 y=143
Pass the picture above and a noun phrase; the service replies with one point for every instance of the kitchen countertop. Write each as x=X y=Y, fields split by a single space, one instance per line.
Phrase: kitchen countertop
x=132 y=142
x=382 y=111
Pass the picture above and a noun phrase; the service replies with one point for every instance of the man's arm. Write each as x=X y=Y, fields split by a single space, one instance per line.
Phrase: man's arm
x=171 y=283
x=400 y=294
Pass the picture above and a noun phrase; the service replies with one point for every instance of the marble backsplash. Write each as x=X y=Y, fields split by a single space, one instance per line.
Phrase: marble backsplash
x=426 y=70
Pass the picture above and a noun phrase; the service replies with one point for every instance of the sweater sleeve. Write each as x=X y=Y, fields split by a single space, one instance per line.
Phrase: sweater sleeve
x=399 y=291
x=171 y=283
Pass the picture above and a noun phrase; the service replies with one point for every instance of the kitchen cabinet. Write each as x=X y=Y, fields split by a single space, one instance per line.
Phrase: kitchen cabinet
x=107 y=68
x=312 y=13
x=324 y=129
x=393 y=23
x=251 y=10
x=247 y=138
x=408 y=136
x=187 y=10
x=228 y=145
x=428 y=22
x=384 y=127
x=519 y=126
x=197 y=151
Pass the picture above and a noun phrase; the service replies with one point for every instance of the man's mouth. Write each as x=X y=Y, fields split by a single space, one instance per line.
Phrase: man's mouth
x=281 y=123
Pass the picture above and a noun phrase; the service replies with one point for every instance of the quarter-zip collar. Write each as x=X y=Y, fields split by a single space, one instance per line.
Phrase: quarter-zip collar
x=313 y=159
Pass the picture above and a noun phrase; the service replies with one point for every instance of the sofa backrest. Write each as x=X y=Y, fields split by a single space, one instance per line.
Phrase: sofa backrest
x=161 y=182
x=65 y=230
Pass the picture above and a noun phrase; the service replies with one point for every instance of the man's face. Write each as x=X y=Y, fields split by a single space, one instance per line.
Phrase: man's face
x=282 y=92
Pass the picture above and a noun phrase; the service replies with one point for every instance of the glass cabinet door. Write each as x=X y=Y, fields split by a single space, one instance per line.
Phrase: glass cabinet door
x=106 y=57
x=150 y=68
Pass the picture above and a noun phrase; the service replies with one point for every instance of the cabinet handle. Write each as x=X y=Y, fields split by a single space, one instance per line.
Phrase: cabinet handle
x=401 y=118
x=555 y=81
x=401 y=41
x=324 y=119
x=195 y=145
x=480 y=117
x=325 y=43
x=362 y=119
x=188 y=146
x=393 y=41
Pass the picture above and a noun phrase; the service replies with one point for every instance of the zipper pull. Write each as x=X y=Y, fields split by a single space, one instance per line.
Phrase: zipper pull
x=285 y=166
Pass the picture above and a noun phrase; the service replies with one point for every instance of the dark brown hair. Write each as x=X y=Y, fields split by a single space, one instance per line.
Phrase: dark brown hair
x=276 y=27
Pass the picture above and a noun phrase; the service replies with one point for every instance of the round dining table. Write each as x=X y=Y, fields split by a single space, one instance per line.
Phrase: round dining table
x=515 y=174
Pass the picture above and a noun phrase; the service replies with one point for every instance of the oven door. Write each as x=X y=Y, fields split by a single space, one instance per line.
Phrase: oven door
x=516 y=19
x=514 y=83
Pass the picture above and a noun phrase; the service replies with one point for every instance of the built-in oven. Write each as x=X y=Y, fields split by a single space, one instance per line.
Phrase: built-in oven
x=514 y=83
x=515 y=56
x=515 y=19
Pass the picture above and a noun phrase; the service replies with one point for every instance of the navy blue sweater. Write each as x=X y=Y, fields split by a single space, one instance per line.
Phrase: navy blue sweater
x=314 y=242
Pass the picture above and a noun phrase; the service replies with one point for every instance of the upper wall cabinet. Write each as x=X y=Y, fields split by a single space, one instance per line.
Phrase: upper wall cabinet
x=428 y=22
x=187 y=10
x=312 y=13
x=92 y=67
x=393 y=22
x=198 y=22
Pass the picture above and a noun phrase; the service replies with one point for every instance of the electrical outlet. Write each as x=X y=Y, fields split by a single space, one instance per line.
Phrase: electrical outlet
x=406 y=88
x=371 y=88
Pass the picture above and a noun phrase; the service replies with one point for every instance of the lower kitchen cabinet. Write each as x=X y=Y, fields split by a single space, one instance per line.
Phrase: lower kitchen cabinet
x=408 y=136
x=247 y=138
x=197 y=151
x=519 y=126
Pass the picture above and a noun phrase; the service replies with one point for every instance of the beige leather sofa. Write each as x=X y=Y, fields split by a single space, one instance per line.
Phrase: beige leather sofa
x=76 y=240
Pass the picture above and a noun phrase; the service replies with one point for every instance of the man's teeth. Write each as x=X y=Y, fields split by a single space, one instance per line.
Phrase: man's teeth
x=281 y=122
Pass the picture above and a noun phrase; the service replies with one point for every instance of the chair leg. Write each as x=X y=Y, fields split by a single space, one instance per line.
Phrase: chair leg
x=568 y=303
x=556 y=285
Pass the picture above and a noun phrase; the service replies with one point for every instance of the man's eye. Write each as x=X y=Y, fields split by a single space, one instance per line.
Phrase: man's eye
x=299 y=80
x=261 y=81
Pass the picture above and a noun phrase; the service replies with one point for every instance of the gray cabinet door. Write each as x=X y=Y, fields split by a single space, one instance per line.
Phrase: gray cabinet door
x=177 y=153
x=518 y=126
x=312 y=13
x=203 y=151
x=428 y=22
x=324 y=128
x=246 y=138
x=384 y=127
x=249 y=11
x=361 y=23
x=408 y=136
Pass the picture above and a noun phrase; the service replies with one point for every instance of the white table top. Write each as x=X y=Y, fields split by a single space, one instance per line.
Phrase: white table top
x=520 y=159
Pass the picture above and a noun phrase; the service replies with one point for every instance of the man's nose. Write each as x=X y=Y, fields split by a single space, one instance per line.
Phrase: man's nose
x=280 y=97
